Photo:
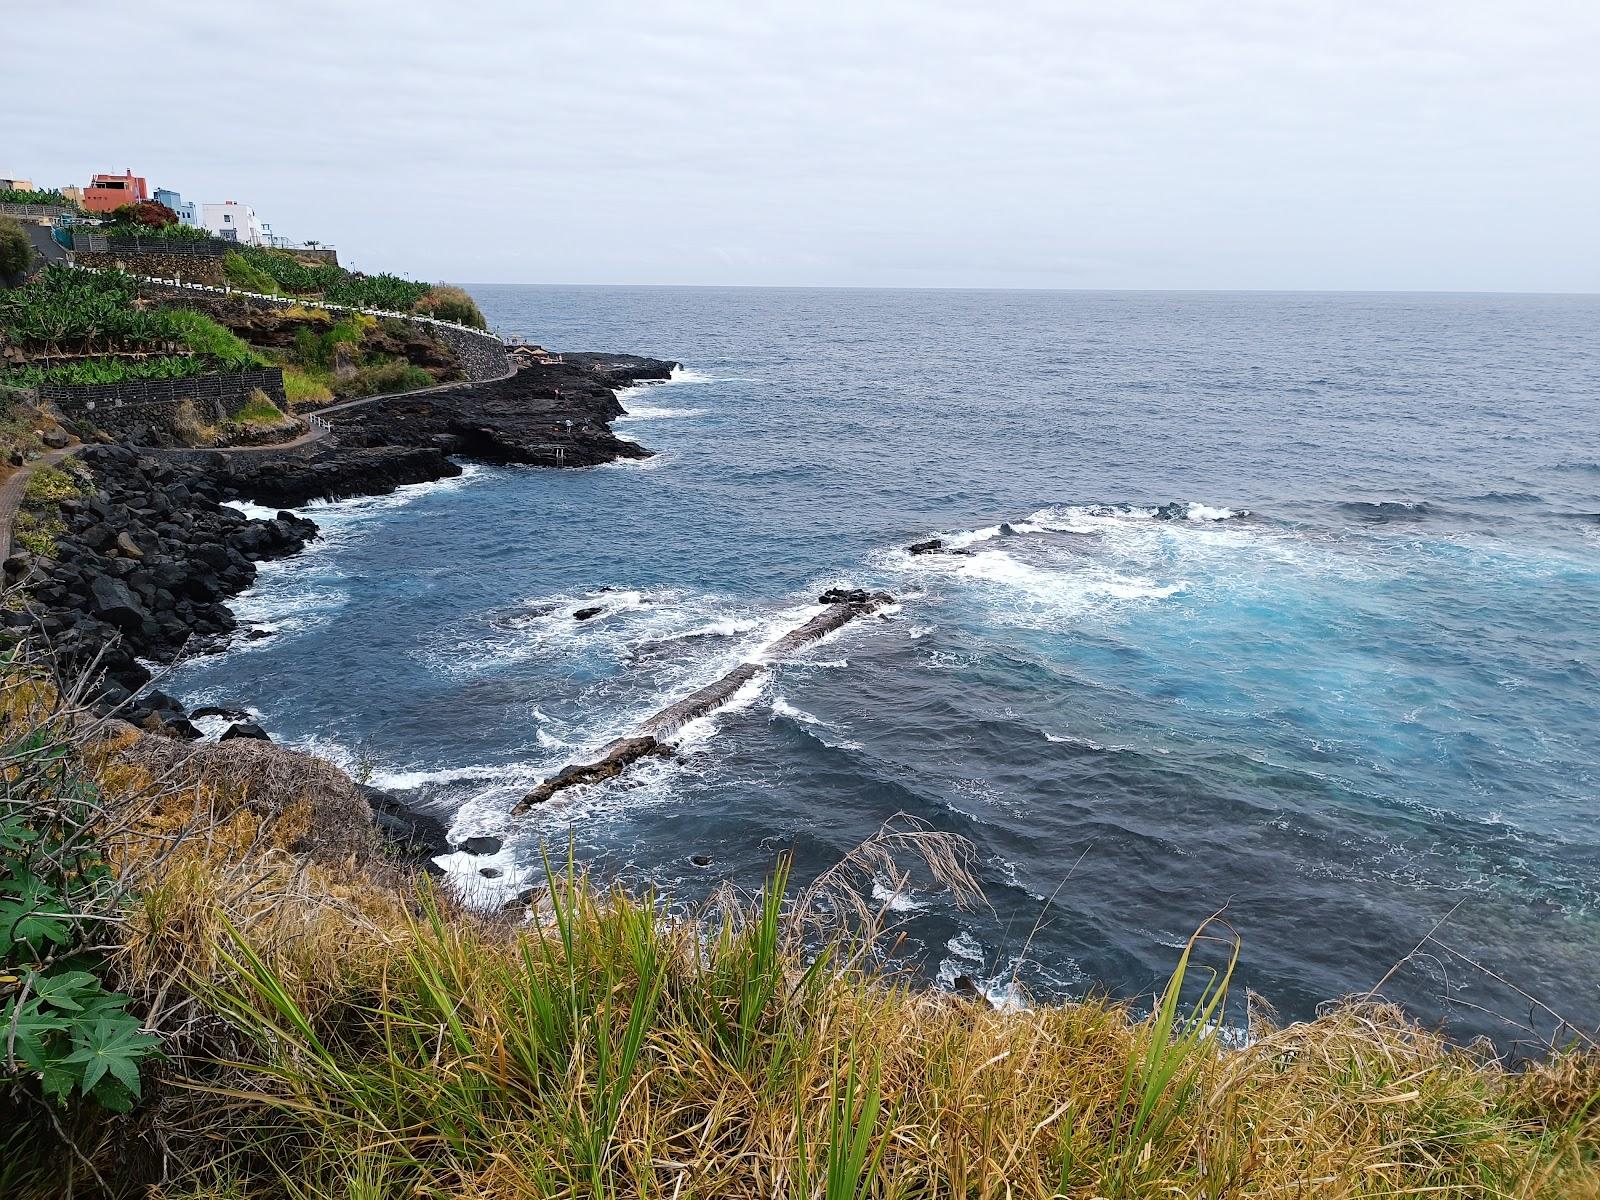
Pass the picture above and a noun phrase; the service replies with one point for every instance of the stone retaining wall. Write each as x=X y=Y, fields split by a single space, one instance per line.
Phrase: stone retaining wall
x=481 y=355
x=149 y=411
x=197 y=268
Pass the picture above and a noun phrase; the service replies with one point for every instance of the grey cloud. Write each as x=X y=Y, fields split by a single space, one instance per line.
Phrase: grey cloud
x=1156 y=143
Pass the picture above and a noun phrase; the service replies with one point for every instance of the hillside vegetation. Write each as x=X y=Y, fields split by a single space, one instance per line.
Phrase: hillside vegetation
x=108 y=333
x=79 y=327
x=224 y=991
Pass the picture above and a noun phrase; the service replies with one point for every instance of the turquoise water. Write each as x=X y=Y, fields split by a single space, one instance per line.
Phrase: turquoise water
x=1348 y=691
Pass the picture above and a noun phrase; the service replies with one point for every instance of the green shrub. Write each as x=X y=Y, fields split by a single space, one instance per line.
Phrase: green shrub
x=52 y=485
x=16 y=251
x=146 y=214
x=242 y=273
x=451 y=304
x=386 y=377
x=54 y=199
x=62 y=309
x=153 y=233
x=110 y=370
x=69 y=1036
x=37 y=533
x=260 y=410
x=334 y=284
x=207 y=338
x=318 y=349
x=191 y=429
x=304 y=387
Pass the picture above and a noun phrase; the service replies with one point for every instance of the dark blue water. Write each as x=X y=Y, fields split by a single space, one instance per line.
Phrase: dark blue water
x=1366 y=704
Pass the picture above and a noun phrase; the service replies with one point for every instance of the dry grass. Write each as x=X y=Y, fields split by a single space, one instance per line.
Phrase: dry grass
x=335 y=1033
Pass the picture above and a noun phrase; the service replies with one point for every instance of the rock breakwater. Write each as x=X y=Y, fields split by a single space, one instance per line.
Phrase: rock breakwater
x=657 y=735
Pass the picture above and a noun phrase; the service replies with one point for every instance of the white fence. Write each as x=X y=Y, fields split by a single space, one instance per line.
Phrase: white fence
x=287 y=300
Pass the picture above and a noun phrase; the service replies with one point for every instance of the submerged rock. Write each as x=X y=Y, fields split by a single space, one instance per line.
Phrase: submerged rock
x=584 y=614
x=218 y=710
x=931 y=546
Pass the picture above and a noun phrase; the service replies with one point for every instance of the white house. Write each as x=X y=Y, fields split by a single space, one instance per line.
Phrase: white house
x=234 y=222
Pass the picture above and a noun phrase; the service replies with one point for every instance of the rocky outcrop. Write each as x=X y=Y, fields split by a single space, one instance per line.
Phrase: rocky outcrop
x=557 y=415
x=655 y=736
x=142 y=571
x=332 y=818
x=318 y=471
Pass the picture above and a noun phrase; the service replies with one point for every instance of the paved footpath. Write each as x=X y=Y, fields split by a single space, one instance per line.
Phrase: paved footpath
x=11 y=492
x=317 y=432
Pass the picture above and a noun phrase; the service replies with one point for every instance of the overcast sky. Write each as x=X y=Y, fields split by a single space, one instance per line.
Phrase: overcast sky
x=1427 y=144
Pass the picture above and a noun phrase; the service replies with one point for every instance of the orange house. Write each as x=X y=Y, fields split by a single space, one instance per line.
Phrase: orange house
x=113 y=191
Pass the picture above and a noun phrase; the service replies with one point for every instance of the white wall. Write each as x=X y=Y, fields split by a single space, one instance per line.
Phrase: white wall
x=240 y=218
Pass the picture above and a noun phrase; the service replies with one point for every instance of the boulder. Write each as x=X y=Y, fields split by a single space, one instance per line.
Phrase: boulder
x=931 y=546
x=481 y=845
x=245 y=729
x=584 y=614
x=113 y=602
x=414 y=833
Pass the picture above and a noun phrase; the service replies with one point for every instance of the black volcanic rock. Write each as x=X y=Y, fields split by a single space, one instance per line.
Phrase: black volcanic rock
x=104 y=609
x=555 y=415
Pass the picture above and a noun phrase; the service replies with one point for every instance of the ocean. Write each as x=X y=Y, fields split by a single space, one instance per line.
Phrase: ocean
x=1344 y=687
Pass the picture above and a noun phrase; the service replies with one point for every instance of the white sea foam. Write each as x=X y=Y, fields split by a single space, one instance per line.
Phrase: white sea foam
x=649 y=412
x=1066 y=588
x=726 y=627
x=964 y=945
x=256 y=512
x=782 y=708
x=970 y=537
x=898 y=900
x=211 y=728
x=409 y=780
x=363 y=506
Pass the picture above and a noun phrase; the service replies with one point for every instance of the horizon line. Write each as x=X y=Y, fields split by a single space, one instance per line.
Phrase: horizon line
x=1199 y=291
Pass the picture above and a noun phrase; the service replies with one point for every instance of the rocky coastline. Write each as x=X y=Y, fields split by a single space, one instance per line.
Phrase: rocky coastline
x=152 y=549
x=557 y=415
